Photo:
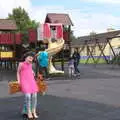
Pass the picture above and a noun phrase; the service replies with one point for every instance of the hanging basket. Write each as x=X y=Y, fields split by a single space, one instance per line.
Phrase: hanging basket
x=14 y=87
x=42 y=86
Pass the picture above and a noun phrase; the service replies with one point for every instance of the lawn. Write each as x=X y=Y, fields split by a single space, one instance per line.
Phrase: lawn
x=90 y=61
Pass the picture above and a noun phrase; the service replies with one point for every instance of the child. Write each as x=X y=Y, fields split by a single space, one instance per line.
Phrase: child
x=43 y=62
x=71 y=67
x=76 y=57
x=25 y=77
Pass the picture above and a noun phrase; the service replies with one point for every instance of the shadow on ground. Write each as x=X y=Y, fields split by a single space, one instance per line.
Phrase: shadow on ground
x=58 y=108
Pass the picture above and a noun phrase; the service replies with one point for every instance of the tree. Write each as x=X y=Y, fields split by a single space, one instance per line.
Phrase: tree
x=23 y=21
x=72 y=37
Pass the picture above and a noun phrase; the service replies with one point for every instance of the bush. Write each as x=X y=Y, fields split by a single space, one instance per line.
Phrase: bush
x=116 y=60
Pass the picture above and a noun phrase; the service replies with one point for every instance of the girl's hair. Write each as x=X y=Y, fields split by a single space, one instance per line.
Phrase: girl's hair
x=42 y=48
x=37 y=49
x=29 y=53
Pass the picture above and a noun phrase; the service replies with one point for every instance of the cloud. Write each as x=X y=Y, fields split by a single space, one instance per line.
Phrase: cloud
x=39 y=13
x=104 y=1
x=7 y=6
x=84 y=21
x=98 y=22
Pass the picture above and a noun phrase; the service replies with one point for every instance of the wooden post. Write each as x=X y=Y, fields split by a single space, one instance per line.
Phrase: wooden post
x=69 y=38
x=36 y=40
x=102 y=53
x=62 y=63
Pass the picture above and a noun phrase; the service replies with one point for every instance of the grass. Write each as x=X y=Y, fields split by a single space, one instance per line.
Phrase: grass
x=83 y=61
x=90 y=61
x=56 y=74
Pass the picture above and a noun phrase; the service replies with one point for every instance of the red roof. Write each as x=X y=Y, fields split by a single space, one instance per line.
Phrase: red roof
x=6 y=24
x=58 y=18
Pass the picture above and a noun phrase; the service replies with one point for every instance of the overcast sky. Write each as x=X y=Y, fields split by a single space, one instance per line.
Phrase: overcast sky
x=86 y=15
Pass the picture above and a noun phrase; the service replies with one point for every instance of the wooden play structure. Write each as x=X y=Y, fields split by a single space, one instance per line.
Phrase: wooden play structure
x=36 y=40
x=54 y=34
x=66 y=22
x=8 y=42
x=97 y=46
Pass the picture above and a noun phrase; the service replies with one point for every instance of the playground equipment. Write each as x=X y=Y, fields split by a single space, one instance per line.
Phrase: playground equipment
x=53 y=35
x=9 y=41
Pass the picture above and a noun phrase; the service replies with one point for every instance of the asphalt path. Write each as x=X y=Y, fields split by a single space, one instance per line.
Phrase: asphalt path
x=95 y=96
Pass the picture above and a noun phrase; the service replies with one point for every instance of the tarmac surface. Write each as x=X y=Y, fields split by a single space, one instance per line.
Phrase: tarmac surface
x=95 y=96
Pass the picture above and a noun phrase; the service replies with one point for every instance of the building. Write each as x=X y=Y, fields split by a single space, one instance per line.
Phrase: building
x=104 y=45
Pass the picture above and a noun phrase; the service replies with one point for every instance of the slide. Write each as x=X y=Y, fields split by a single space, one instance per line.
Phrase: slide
x=53 y=48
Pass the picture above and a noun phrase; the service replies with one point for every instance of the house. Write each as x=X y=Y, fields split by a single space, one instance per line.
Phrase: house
x=7 y=25
x=65 y=20
x=7 y=41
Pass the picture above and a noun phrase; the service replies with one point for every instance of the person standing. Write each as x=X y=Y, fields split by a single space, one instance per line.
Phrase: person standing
x=25 y=77
x=43 y=62
x=71 y=67
x=76 y=57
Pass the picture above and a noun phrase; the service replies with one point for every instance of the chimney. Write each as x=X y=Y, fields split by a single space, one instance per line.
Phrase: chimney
x=110 y=29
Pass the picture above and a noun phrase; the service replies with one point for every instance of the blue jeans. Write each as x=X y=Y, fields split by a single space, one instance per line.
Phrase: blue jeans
x=30 y=102
x=76 y=67
x=43 y=71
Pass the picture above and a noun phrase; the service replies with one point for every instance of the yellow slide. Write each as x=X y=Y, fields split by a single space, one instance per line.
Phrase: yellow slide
x=53 y=48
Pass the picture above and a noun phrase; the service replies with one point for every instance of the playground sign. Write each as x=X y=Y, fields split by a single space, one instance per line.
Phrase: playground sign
x=8 y=54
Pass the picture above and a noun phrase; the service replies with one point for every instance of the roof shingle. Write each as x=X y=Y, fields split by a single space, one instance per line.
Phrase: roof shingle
x=101 y=37
x=6 y=24
x=58 y=18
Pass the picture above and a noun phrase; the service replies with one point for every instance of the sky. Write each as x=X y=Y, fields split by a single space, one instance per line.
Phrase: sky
x=86 y=15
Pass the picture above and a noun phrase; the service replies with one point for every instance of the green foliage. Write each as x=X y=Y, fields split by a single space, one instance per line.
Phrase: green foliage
x=116 y=60
x=66 y=29
x=90 y=61
x=22 y=20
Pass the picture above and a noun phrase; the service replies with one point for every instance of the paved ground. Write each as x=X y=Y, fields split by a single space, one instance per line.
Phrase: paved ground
x=95 y=96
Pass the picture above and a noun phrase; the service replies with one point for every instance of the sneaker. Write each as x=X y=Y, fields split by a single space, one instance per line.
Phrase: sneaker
x=74 y=75
x=47 y=78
